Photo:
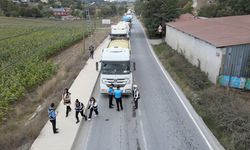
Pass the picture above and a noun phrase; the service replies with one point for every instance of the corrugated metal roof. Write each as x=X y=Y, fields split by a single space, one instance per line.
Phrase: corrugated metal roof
x=220 y=32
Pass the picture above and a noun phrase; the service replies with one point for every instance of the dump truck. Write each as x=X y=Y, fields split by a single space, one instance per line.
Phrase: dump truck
x=116 y=67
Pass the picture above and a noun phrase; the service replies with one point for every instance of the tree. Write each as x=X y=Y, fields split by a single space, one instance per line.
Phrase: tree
x=107 y=10
x=138 y=7
x=188 y=8
x=208 y=11
x=113 y=9
x=121 y=9
x=4 y=5
x=157 y=12
x=226 y=8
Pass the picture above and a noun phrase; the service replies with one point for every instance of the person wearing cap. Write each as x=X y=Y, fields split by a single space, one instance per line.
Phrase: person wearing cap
x=52 y=117
x=79 y=107
x=111 y=94
x=67 y=100
x=136 y=95
x=118 y=98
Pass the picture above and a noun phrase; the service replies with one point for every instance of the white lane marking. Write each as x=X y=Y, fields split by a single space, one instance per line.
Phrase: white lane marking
x=89 y=130
x=139 y=111
x=143 y=135
x=179 y=97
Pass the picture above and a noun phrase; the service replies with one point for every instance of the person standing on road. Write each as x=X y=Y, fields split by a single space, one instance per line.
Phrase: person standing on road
x=91 y=51
x=93 y=107
x=118 y=98
x=52 y=117
x=111 y=94
x=79 y=107
x=67 y=100
x=136 y=95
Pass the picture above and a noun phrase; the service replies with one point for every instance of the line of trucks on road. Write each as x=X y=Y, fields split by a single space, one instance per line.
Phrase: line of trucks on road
x=116 y=66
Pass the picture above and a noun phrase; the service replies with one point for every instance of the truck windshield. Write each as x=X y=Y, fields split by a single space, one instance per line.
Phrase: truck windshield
x=119 y=35
x=118 y=67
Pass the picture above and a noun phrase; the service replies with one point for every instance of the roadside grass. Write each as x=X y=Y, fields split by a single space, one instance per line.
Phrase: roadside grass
x=225 y=113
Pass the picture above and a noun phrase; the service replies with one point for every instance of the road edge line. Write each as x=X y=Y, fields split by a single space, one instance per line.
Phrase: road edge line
x=179 y=97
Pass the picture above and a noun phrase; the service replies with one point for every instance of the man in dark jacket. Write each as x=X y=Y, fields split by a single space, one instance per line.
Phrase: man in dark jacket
x=79 y=107
x=52 y=117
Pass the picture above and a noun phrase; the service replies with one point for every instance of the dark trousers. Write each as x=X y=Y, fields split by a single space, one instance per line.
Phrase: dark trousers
x=68 y=109
x=136 y=103
x=91 y=110
x=83 y=115
x=119 y=103
x=110 y=100
x=53 y=125
x=91 y=54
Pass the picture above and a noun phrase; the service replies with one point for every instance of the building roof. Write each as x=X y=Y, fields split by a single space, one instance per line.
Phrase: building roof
x=220 y=32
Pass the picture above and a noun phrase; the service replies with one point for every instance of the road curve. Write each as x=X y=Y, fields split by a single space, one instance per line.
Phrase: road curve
x=162 y=121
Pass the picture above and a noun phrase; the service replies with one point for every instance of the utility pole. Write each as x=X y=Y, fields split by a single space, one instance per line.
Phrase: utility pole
x=83 y=16
x=88 y=21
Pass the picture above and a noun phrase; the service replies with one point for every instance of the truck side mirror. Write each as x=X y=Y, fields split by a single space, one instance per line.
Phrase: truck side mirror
x=134 y=66
x=96 y=66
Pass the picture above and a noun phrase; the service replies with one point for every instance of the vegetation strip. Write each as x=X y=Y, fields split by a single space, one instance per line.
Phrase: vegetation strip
x=23 y=58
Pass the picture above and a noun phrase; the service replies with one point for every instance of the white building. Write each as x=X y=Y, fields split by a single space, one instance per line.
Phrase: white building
x=218 y=46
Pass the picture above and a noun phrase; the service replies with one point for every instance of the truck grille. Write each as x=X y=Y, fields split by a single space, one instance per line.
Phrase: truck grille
x=116 y=82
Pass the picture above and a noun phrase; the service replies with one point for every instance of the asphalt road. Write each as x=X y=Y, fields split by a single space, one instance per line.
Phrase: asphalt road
x=160 y=123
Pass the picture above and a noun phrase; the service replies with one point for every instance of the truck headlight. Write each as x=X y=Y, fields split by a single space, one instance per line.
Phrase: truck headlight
x=103 y=81
x=128 y=81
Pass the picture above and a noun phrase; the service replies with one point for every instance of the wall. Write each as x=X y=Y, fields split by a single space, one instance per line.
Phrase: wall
x=196 y=51
x=237 y=59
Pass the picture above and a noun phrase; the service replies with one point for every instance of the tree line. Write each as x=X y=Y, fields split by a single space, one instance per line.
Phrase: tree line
x=38 y=9
x=221 y=8
x=16 y=9
x=111 y=9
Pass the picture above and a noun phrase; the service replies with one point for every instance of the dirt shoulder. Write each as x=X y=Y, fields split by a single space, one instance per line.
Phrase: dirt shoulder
x=29 y=115
x=226 y=112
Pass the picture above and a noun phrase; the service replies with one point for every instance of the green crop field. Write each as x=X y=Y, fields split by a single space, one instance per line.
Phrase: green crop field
x=25 y=46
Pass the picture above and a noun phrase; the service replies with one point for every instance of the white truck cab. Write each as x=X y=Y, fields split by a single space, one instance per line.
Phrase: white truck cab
x=116 y=69
x=121 y=30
